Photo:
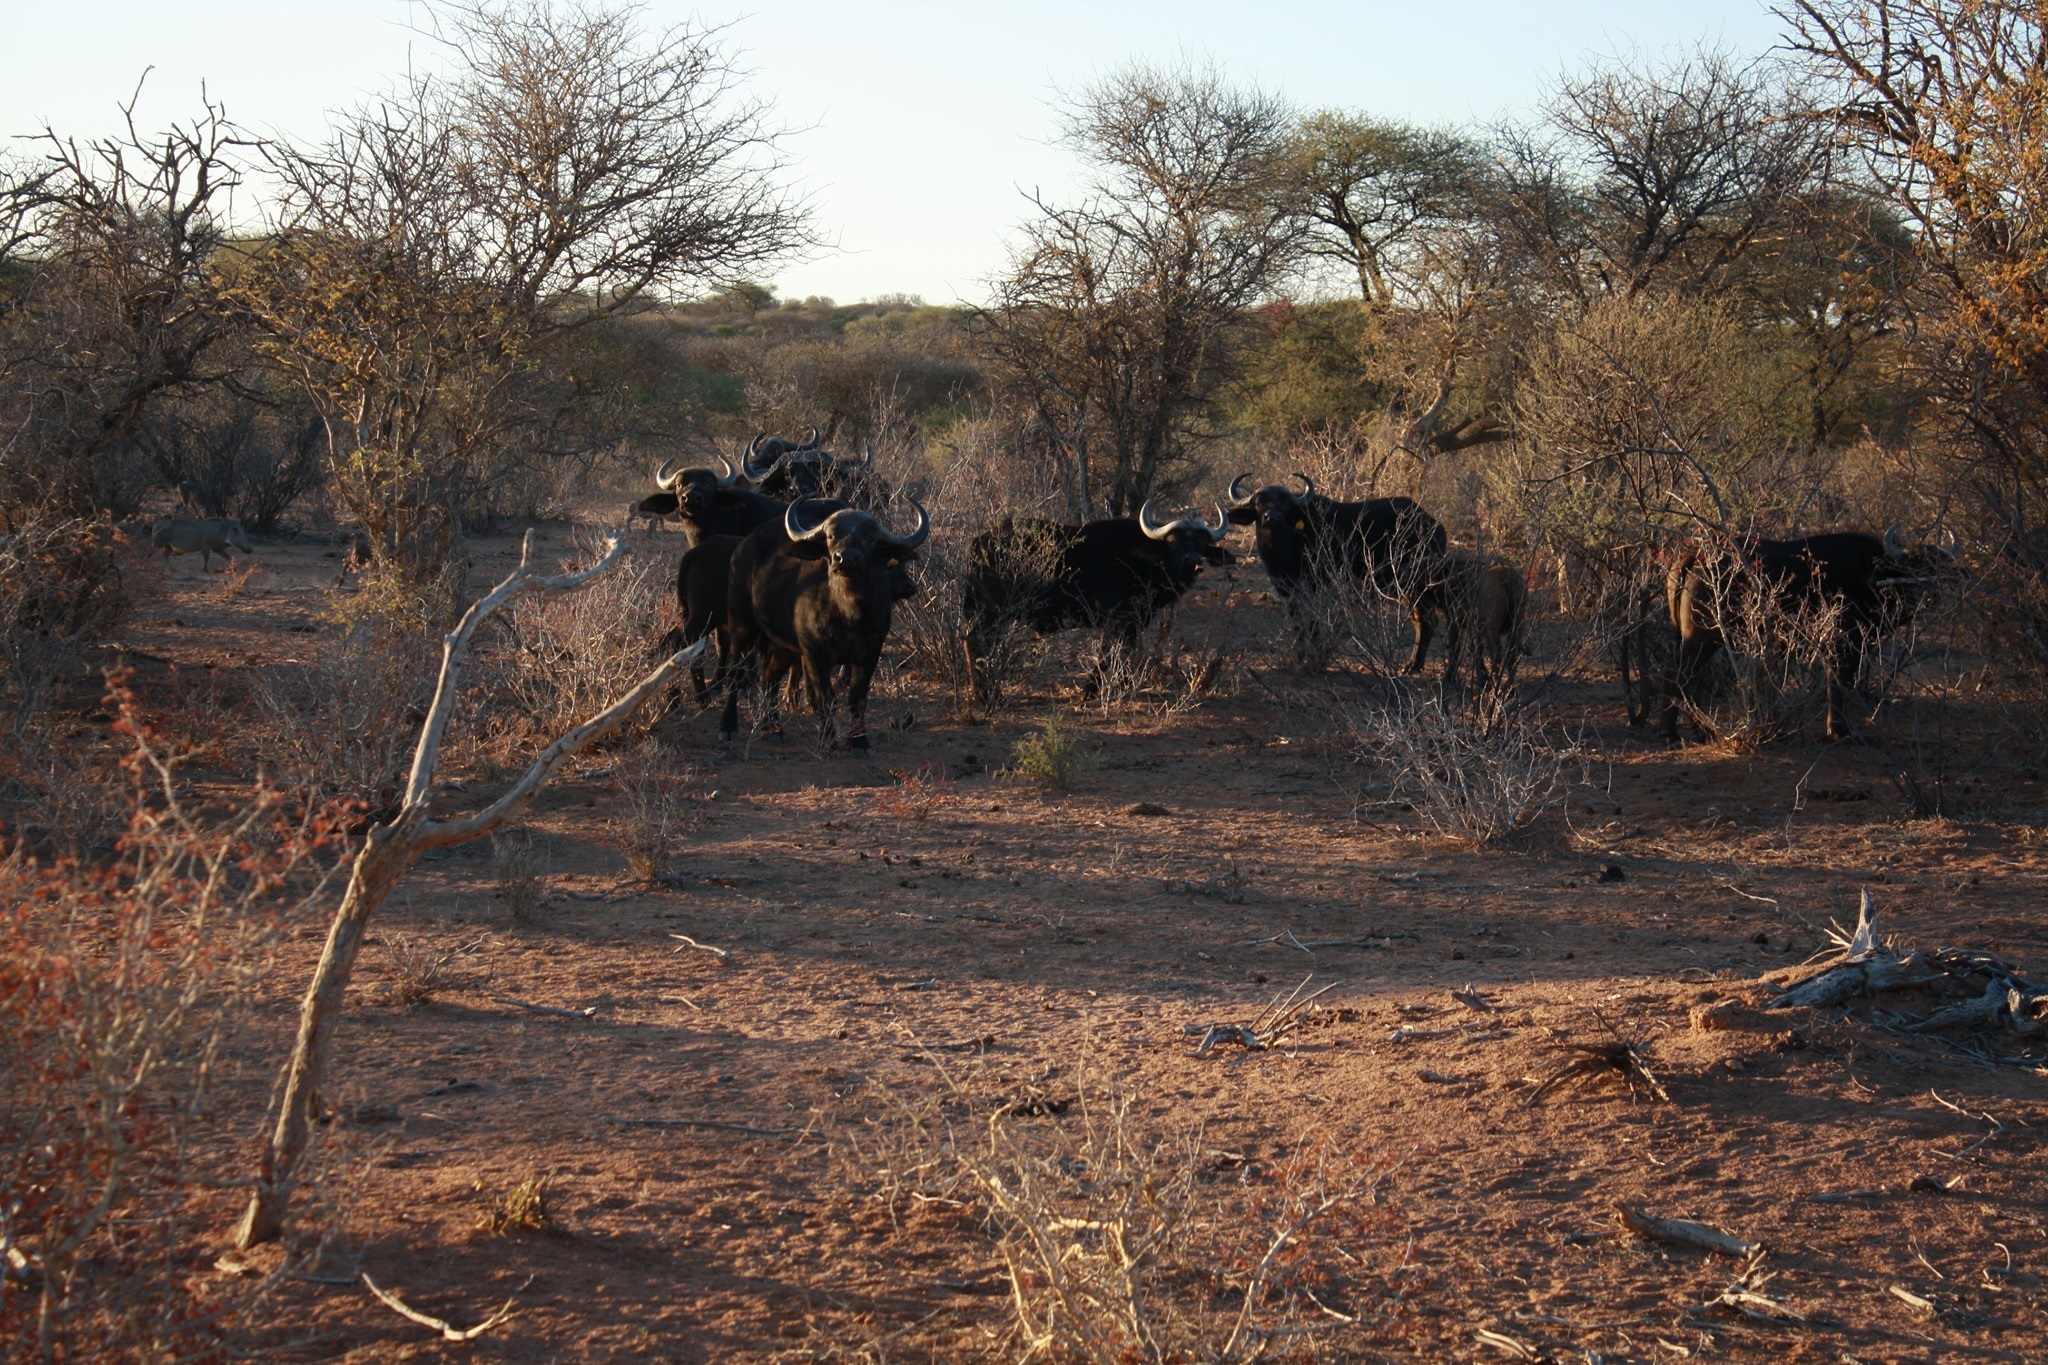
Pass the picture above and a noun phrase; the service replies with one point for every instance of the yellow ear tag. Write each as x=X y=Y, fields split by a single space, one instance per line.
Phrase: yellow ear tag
x=894 y=562
x=1300 y=525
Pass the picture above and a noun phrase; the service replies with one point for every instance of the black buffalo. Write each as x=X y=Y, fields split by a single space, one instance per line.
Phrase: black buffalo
x=1485 y=603
x=1873 y=584
x=790 y=470
x=1115 y=574
x=703 y=589
x=1310 y=543
x=816 y=590
x=707 y=502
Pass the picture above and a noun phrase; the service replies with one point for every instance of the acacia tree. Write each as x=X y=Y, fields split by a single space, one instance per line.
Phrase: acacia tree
x=1378 y=192
x=1116 y=320
x=568 y=165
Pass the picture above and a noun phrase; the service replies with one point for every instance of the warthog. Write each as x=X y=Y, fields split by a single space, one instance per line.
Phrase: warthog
x=175 y=536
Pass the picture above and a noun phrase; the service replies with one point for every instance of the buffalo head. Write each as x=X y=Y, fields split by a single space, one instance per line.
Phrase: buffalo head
x=1188 y=542
x=696 y=490
x=857 y=548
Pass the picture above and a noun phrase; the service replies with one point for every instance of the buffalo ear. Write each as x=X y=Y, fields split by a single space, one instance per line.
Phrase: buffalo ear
x=1242 y=516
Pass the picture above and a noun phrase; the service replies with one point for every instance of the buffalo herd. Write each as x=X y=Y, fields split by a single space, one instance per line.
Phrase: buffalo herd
x=793 y=571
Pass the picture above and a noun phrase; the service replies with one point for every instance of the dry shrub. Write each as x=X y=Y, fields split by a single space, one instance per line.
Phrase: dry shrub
x=1641 y=421
x=418 y=970
x=118 y=986
x=64 y=584
x=663 y=801
x=517 y=867
x=917 y=795
x=1126 y=1246
x=346 y=725
x=1476 y=777
x=235 y=578
x=570 y=655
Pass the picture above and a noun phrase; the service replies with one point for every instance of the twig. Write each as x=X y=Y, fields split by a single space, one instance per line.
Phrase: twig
x=587 y=1012
x=448 y=1332
x=703 y=1123
x=688 y=942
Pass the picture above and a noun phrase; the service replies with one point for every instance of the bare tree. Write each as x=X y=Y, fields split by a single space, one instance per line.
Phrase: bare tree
x=113 y=246
x=1117 y=316
x=446 y=236
x=1945 y=98
x=393 y=846
x=1660 y=179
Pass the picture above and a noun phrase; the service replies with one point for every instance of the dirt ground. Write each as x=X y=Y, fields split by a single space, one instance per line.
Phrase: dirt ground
x=898 y=957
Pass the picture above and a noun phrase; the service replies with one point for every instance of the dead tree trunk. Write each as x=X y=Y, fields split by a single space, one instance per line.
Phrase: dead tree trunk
x=392 y=848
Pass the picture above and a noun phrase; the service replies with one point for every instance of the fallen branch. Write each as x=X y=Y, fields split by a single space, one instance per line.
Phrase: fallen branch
x=1686 y=1233
x=1500 y=1341
x=448 y=1332
x=1472 y=998
x=703 y=1123
x=1866 y=965
x=588 y=1012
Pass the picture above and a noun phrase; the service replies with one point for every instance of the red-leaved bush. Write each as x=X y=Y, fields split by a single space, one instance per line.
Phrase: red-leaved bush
x=118 y=984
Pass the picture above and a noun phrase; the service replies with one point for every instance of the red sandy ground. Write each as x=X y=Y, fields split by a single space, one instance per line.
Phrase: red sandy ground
x=1082 y=940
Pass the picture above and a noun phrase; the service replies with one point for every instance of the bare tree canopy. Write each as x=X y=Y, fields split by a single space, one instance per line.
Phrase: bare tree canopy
x=1662 y=179
x=1116 y=312
x=569 y=165
x=1945 y=99
x=112 y=301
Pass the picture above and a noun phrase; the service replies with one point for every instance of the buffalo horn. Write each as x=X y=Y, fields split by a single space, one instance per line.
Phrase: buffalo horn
x=1159 y=532
x=1949 y=543
x=1308 y=485
x=1238 y=499
x=1222 y=527
x=666 y=478
x=810 y=441
x=747 y=465
x=917 y=537
x=793 y=522
x=731 y=475
x=1891 y=541
x=867 y=455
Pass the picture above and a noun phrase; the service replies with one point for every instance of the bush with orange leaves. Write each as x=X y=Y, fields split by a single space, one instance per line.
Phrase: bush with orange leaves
x=118 y=984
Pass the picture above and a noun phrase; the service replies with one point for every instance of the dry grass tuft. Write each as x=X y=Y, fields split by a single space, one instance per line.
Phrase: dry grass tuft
x=1048 y=758
x=518 y=870
x=523 y=1208
x=419 y=970
x=662 y=804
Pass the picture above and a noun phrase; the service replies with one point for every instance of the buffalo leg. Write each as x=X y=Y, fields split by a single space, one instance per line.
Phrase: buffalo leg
x=1425 y=629
x=1847 y=664
x=862 y=676
x=1686 y=670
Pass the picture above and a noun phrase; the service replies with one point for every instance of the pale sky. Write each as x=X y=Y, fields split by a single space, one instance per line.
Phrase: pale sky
x=923 y=123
